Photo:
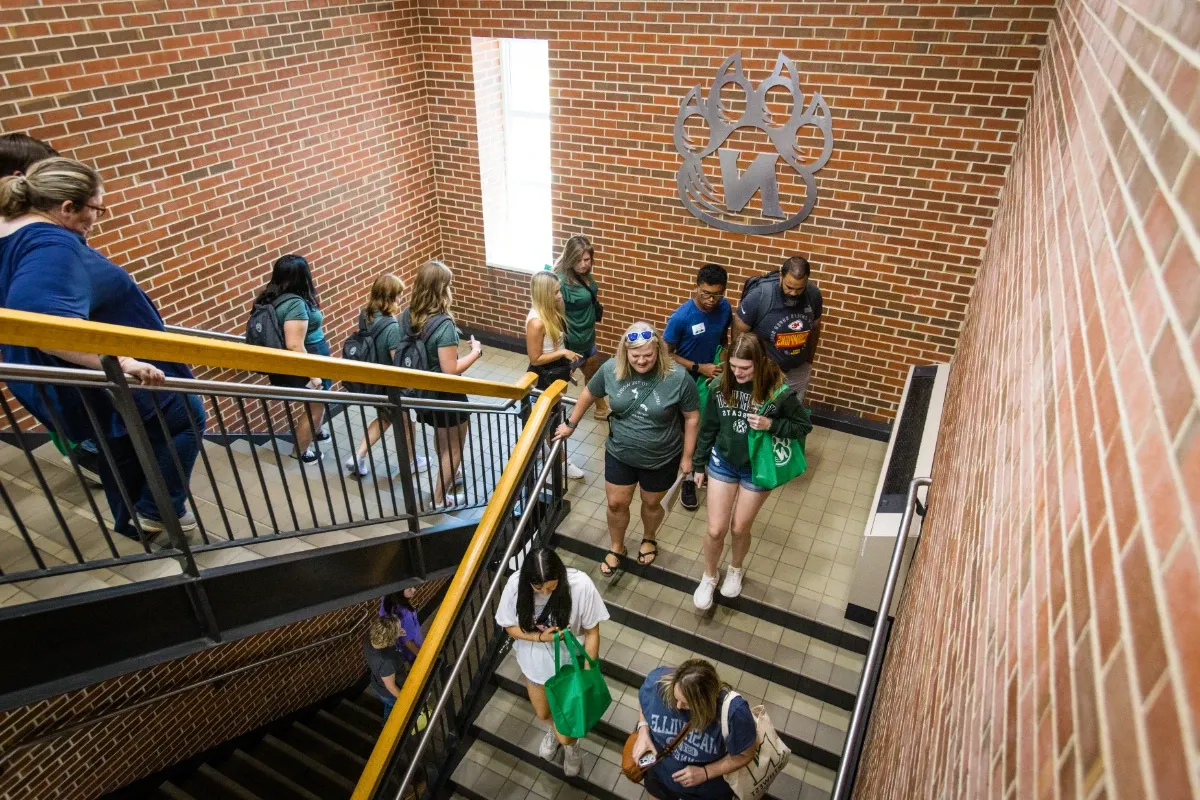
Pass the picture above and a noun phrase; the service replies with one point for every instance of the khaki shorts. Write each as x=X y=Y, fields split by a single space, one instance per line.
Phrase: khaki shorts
x=797 y=379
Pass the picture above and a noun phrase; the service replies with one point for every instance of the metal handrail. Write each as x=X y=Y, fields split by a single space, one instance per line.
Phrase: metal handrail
x=526 y=515
x=90 y=378
x=851 y=750
x=116 y=712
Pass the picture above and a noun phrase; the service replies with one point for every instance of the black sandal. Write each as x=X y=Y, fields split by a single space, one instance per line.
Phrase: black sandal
x=608 y=570
x=652 y=555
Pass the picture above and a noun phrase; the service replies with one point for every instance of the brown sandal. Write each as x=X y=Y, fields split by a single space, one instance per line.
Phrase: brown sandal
x=608 y=570
x=651 y=555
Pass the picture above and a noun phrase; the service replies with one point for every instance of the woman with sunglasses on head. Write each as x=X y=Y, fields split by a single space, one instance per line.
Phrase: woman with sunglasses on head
x=651 y=437
x=582 y=309
x=541 y=599
x=46 y=267
x=749 y=382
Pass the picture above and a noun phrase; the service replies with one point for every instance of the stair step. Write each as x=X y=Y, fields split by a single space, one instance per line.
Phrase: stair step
x=353 y=714
x=207 y=783
x=370 y=702
x=263 y=780
x=346 y=735
x=169 y=791
x=318 y=778
x=325 y=751
x=508 y=725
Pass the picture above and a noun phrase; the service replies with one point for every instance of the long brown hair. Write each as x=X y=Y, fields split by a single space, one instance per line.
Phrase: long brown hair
x=430 y=294
x=572 y=253
x=767 y=375
x=385 y=295
x=700 y=686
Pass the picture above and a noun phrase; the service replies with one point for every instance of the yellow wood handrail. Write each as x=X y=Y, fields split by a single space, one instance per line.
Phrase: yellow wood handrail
x=60 y=333
x=439 y=631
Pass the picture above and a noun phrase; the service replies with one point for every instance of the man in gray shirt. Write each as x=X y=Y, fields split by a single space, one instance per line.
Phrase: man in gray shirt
x=784 y=310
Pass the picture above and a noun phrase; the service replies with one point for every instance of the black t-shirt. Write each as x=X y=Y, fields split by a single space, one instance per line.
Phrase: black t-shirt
x=785 y=329
x=382 y=663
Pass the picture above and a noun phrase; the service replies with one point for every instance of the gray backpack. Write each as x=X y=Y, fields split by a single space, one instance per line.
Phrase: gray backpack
x=412 y=353
x=264 y=328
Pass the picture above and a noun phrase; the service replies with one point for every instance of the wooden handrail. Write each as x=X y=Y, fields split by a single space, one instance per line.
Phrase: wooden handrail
x=439 y=631
x=61 y=333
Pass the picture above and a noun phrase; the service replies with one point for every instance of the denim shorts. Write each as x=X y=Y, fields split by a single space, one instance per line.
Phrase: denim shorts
x=578 y=363
x=721 y=470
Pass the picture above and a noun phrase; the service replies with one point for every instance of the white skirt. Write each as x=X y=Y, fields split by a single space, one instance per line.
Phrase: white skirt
x=537 y=659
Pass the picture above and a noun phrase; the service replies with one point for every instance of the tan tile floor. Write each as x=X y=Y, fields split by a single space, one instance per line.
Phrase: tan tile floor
x=805 y=541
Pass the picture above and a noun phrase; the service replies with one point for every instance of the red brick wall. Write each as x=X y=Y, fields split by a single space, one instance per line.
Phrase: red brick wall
x=100 y=758
x=927 y=98
x=231 y=133
x=1049 y=638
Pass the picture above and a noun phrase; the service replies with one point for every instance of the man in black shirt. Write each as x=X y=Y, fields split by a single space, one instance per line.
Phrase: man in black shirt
x=784 y=310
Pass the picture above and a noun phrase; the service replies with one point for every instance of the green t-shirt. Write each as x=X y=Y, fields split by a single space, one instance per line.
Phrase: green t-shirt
x=580 y=314
x=446 y=335
x=645 y=428
x=387 y=341
x=295 y=308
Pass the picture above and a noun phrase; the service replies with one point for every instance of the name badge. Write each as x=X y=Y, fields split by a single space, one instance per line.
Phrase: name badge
x=698 y=329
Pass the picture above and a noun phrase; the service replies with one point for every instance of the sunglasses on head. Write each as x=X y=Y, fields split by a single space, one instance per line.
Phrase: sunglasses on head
x=633 y=337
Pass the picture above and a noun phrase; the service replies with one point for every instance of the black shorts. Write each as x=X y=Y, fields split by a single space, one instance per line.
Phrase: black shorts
x=659 y=479
x=444 y=419
x=655 y=788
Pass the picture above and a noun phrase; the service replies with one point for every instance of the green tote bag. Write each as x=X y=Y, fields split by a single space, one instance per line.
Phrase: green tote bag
x=774 y=461
x=578 y=697
x=702 y=387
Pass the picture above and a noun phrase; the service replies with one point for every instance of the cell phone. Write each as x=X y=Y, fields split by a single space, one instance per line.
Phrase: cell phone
x=646 y=760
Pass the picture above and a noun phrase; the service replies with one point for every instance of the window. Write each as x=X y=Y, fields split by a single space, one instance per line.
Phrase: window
x=512 y=105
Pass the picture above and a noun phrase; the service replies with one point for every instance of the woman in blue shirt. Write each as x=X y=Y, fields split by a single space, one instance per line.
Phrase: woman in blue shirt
x=688 y=700
x=297 y=308
x=46 y=267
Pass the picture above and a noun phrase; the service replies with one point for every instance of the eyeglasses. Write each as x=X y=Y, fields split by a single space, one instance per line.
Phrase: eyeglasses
x=101 y=211
x=705 y=295
x=633 y=337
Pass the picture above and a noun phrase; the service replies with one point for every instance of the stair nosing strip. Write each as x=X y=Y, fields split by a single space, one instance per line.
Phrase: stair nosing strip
x=274 y=774
x=271 y=740
x=213 y=774
x=309 y=731
x=341 y=723
x=755 y=608
x=533 y=759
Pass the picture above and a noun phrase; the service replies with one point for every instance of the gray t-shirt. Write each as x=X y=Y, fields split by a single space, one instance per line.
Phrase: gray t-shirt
x=784 y=329
x=645 y=429
x=382 y=663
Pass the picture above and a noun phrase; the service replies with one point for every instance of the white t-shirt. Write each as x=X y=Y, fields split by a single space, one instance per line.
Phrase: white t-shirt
x=548 y=345
x=587 y=611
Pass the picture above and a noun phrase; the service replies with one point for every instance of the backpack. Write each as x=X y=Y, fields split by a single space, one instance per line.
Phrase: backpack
x=363 y=345
x=264 y=329
x=749 y=285
x=412 y=353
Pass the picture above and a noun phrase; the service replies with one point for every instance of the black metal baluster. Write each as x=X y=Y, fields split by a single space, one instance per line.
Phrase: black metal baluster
x=33 y=551
x=169 y=443
x=362 y=492
x=287 y=413
x=122 y=489
x=287 y=491
x=387 y=461
x=337 y=459
x=212 y=479
x=237 y=475
x=60 y=431
x=41 y=479
x=404 y=458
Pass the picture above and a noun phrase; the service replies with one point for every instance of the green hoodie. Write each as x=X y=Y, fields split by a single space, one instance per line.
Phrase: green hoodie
x=726 y=426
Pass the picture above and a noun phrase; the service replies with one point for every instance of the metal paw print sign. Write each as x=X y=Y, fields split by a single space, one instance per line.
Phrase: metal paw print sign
x=735 y=115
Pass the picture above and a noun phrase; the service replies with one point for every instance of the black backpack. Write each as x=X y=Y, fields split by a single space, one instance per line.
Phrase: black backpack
x=363 y=345
x=412 y=353
x=757 y=279
x=263 y=329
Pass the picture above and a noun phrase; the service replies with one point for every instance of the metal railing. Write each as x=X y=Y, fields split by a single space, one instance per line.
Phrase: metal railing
x=194 y=466
x=444 y=691
x=855 y=735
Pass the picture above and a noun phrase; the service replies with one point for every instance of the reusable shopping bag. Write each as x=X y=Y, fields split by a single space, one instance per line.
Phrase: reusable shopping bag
x=774 y=461
x=578 y=697
x=752 y=781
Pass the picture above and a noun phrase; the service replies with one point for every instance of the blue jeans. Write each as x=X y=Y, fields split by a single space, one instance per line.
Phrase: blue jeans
x=182 y=440
x=389 y=702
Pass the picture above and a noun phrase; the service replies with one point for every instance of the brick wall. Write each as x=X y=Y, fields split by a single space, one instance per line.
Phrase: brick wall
x=231 y=133
x=1049 y=638
x=926 y=97
x=100 y=758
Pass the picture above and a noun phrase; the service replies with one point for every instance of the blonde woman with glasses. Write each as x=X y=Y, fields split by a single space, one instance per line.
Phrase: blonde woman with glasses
x=545 y=331
x=652 y=434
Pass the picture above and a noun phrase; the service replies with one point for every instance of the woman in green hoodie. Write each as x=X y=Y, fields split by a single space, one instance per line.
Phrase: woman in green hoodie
x=749 y=382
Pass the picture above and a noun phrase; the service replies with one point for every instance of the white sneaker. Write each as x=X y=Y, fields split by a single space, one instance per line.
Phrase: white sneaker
x=572 y=760
x=549 y=746
x=703 y=596
x=732 y=585
x=420 y=463
x=574 y=472
x=360 y=466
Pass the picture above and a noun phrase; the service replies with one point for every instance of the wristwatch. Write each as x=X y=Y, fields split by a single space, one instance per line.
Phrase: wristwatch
x=695 y=370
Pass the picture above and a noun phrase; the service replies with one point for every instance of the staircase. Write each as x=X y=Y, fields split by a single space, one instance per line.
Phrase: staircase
x=314 y=754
